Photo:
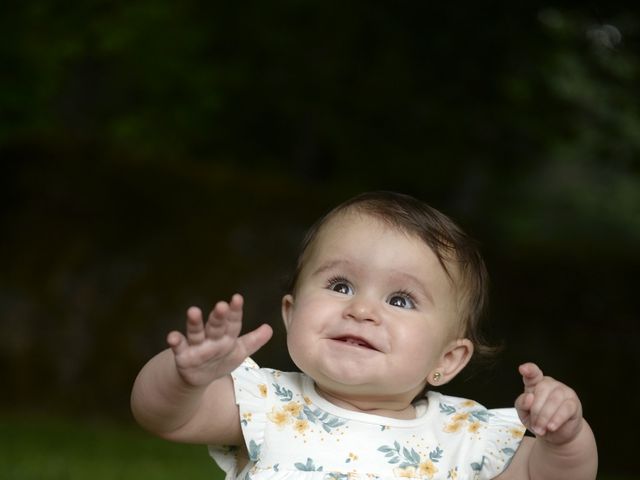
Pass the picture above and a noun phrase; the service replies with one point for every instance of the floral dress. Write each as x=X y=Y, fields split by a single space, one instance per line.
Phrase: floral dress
x=292 y=433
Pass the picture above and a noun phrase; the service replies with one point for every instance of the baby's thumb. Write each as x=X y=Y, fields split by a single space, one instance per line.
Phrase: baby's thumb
x=256 y=339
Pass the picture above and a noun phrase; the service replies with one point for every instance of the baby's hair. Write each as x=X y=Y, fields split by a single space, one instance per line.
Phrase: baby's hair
x=451 y=245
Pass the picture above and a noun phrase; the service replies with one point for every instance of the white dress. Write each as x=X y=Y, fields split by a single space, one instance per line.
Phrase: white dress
x=292 y=433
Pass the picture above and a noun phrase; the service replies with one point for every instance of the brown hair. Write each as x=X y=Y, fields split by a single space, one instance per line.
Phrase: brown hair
x=451 y=245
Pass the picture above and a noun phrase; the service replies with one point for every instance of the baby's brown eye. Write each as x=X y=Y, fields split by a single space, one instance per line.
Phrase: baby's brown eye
x=401 y=301
x=341 y=288
x=340 y=285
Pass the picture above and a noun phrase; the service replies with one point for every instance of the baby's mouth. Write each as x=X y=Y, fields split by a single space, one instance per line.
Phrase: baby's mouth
x=355 y=341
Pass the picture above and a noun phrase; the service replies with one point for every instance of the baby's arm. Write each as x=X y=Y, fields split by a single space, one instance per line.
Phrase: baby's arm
x=185 y=393
x=564 y=447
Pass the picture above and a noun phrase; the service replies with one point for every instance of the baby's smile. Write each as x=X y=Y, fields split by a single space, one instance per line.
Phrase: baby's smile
x=355 y=341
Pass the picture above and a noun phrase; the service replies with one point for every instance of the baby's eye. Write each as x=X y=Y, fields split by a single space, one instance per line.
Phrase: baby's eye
x=340 y=285
x=402 y=300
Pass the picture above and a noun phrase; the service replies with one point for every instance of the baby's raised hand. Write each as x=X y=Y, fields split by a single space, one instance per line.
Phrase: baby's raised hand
x=550 y=409
x=213 y=349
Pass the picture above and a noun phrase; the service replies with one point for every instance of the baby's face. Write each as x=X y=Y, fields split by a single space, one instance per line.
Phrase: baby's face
x=373 y=313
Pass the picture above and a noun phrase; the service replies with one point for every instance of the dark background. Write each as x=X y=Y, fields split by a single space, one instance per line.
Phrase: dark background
x=160 y=154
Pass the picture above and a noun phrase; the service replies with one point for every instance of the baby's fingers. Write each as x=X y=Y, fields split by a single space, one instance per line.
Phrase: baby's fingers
x=195 y=326
x=523 y=407
x=225 y=319
x=552 y=408
x=177 y=342
x=524 y=402
x=567 y=411
x=531 y=375
x=195 y=332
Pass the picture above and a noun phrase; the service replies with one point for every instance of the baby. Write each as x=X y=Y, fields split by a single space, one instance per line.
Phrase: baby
x=384 y=304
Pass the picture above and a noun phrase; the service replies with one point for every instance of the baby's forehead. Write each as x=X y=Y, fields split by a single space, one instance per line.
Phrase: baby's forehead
x=356 y=218
x=353 y=218
x=343 y=224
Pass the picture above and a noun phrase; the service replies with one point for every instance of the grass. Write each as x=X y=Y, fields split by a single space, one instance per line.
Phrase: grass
x=55 y=448
x=44 y=448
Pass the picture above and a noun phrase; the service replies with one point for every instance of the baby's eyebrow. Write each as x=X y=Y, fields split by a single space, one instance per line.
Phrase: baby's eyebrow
x=409 y=278
x=330 y=265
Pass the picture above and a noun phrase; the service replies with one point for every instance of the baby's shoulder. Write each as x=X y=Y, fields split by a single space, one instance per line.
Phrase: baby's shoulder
x=451 y=404
x=462 y=414
x=266 y=383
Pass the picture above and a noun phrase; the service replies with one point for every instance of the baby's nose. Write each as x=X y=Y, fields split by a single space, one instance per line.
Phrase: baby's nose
x=362 y=309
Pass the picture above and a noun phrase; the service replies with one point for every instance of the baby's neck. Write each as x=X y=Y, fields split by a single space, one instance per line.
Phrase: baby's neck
x=392 y=408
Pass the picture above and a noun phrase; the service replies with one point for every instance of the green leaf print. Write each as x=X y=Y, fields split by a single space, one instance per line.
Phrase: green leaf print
x=508 y=451
x=481 y=415
x=285 y=394
x=307 y=467
x=409 y=458
x=336 y=476
x=447 y=409
x=436 y=454
x=476 y=467
x=327 y=421
x=254 y=451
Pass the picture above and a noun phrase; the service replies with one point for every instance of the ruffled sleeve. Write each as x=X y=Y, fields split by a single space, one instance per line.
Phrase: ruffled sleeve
x=502 y=438
x=251 y=387
x=479 y=442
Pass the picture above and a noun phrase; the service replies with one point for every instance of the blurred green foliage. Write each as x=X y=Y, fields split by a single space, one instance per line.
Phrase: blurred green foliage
x=160 y=154
x=57 y=448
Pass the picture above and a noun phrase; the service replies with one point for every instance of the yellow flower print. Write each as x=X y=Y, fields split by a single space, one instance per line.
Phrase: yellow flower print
x=516 y=432
x=406 y=472
x=293 y=408
x=453 y=474
x=458 y=417
x=351 y=458
x=262 y=388
x=428 y=469
x=474 y=427
x=300 y=425
x=247 y=416
x=307 y=400
x=279 y=417
x=453 y=427
x=468 y=403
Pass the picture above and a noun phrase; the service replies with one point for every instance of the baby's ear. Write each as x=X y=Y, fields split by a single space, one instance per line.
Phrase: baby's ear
x=287 y=310
x=455 y=358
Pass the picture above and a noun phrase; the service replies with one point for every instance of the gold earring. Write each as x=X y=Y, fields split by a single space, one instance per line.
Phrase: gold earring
x=436 y=377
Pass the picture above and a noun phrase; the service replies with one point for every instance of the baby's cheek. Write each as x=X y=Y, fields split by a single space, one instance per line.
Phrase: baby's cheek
x=297 y=344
